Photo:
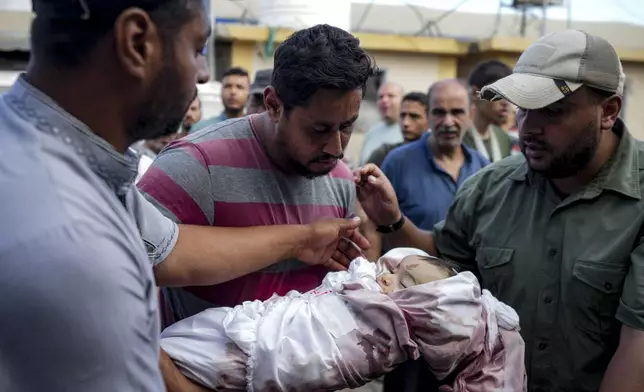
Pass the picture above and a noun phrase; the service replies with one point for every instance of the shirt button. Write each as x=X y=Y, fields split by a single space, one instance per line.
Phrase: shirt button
x=553 y=252
x=547 y=300
x=608 y=286
x=542 y=346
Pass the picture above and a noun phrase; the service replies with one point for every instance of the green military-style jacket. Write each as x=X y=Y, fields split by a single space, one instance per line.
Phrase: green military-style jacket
x=573 y=269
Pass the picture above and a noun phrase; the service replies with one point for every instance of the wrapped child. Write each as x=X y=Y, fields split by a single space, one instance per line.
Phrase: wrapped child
x=358 y=325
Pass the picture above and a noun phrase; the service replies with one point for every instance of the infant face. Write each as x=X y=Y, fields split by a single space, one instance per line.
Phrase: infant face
x=414 y=270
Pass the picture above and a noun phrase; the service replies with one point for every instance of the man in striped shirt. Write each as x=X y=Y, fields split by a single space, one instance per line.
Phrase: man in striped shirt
x=283 y=166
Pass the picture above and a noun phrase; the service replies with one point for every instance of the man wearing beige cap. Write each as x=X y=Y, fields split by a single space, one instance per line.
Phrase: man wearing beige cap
x=557 y=233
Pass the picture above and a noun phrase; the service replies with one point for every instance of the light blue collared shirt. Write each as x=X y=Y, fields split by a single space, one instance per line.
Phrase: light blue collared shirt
x=376 y=136
x=78 y=305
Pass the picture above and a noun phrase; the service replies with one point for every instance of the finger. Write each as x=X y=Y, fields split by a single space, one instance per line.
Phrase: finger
x=334 y=265
x=340 y=254
x=349 y=224
x=375 y=181
x=365 y=170
x=340 y=258
x=357 y=240
x=353 y=253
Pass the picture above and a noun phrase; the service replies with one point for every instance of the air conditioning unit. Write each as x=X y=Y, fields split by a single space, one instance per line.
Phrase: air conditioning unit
x=537 y=3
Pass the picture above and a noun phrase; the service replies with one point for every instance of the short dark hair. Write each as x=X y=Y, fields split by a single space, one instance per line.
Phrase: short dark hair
x=320 y=57
x=417 y=96
x=488 y=72
x=239 y=71
x=63 y=38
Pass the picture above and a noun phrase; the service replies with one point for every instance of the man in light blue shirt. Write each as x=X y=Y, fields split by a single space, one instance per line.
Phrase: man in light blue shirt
x=387 y=131
x=77 y=241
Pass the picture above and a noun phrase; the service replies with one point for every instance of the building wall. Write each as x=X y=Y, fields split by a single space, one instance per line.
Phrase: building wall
x=634 y=115
x=413 y=71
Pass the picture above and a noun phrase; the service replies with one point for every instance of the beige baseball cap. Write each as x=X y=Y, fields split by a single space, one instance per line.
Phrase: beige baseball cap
x=557 y=65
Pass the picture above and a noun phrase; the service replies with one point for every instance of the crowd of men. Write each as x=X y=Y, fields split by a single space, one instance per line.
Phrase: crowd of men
x=239 y=207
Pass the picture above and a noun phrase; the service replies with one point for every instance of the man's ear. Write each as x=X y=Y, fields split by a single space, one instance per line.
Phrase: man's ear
x=610 y=111
x=137 y=42
x=273 y=104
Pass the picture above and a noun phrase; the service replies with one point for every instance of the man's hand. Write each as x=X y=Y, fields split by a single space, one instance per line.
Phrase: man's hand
x=333 y=243
x=174 y=380
x=376 y=195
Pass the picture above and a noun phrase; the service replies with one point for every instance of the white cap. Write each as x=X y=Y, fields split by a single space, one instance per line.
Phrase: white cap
x=556 y=66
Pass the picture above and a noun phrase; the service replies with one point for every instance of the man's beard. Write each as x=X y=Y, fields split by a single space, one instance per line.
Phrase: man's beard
x=302 y=169
x=233 y=111
x=575 y=158
x=163 y=112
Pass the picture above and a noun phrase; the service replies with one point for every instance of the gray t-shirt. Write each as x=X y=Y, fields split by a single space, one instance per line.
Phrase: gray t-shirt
x=78 y=305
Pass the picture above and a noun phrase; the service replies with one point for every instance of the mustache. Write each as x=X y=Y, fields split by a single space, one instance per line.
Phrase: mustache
x=529 y=139
x=328 y=157
x=448 y=130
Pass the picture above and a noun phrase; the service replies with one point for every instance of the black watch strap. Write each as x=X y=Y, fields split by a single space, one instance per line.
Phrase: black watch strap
x=393 y=227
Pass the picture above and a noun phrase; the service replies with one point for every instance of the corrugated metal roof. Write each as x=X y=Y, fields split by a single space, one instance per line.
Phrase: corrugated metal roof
x=405 y=20
x=402 y=20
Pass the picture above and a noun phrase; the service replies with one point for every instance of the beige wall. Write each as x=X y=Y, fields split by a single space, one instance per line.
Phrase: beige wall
x=634 y=115
x=415 y=72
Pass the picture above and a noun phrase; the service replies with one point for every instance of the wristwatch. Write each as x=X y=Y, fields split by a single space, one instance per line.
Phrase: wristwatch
x=393 y=227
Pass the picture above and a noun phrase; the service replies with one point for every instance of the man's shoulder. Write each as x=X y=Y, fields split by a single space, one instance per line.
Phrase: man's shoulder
x=46 y=185
x=207 y=122
x=500 y=172
x=379 y=154
x=221 y=144
x=235 y=128
x=405 y=152
x=341 y=171
x=377 y=127
x=639 y=151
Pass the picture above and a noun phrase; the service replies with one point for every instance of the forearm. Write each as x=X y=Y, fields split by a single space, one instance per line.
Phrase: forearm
x=207 y=255
x=411 y=236
x=368 y=230
x=625 y=372
x=174 y=380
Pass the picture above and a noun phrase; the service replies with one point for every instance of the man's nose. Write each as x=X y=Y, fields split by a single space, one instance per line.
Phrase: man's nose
x=449 y=120
x=334 y=145
x=203 y=72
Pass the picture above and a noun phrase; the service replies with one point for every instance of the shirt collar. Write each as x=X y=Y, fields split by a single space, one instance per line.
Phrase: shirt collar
x=117 y=170
x=620 y=174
